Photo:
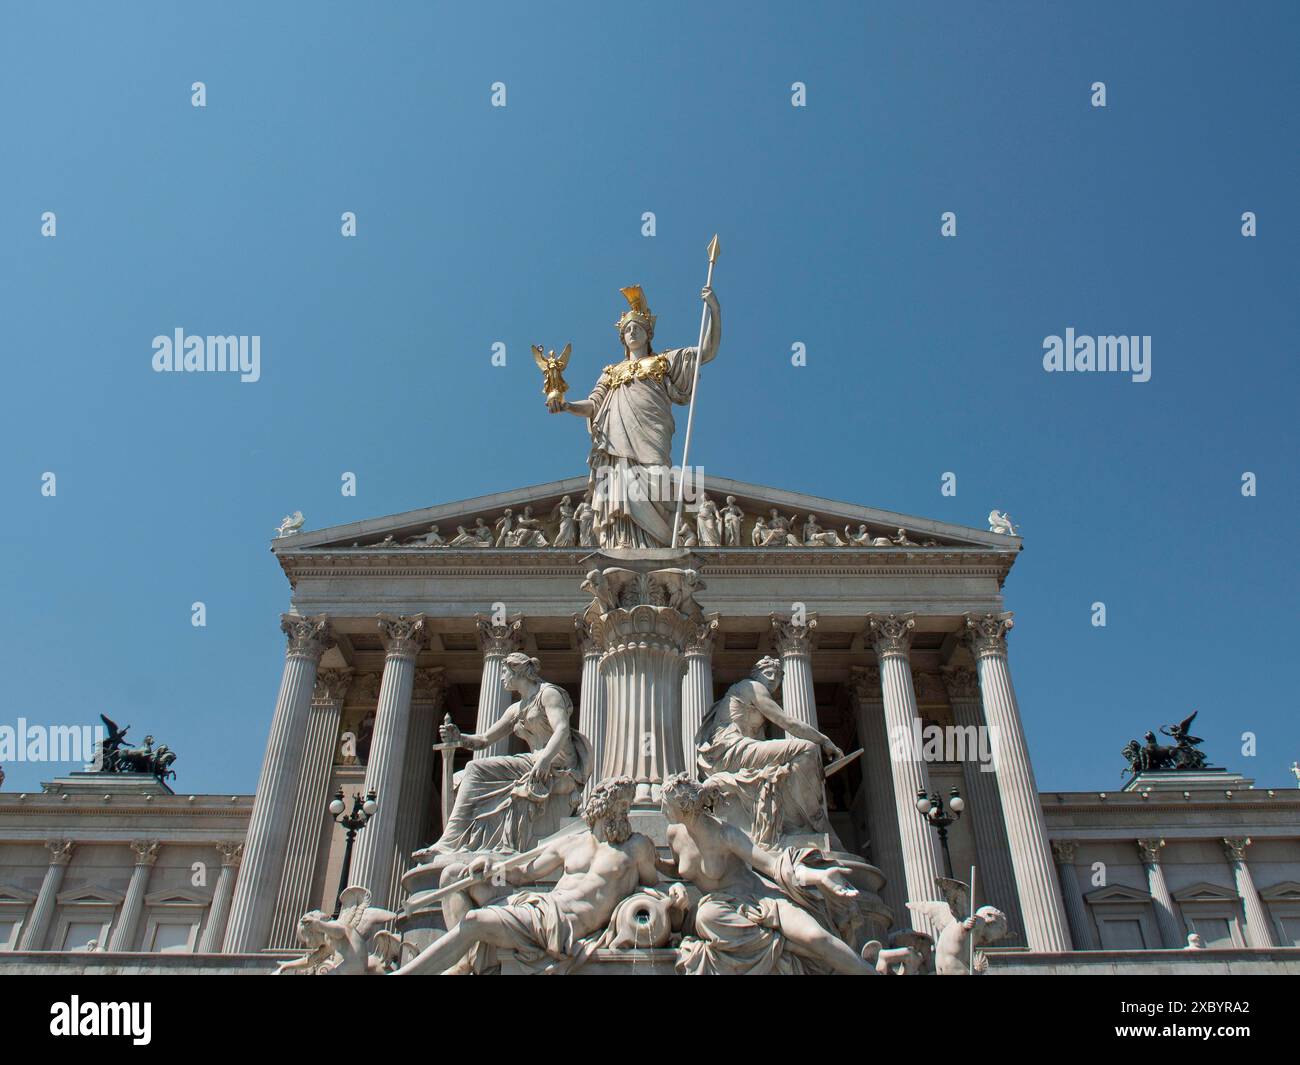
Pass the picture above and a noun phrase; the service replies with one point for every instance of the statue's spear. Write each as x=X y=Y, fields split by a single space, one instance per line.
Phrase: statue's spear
x=695 y=380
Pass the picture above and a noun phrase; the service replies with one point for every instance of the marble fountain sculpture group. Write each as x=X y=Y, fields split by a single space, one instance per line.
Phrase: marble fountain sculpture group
x=720 y=859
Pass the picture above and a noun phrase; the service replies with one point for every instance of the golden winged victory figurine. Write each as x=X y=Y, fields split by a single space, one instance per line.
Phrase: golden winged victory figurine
x=552 y=367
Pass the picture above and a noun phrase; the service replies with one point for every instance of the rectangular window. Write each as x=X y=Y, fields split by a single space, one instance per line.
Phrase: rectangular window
x=1214 y=930
x=172 y=938
x=1122 y=934
x=80 y=933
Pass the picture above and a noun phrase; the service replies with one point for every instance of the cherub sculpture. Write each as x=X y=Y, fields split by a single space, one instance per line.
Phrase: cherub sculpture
x=552 y=367
x=952 y=951
x=338 y=945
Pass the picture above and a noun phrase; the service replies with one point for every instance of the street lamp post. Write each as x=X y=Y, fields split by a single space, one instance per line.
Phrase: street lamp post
x=931 y=808
x=362 y=811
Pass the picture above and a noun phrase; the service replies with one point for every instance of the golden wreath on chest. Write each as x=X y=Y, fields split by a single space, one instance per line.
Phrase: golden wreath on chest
x=653 y=367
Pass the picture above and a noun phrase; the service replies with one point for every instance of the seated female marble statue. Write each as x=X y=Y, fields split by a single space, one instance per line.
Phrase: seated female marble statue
x=778 y=783
x=508 y=802
x=763 y=911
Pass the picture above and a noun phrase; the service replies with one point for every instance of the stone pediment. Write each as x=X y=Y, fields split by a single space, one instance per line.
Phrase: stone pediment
x=407 y=532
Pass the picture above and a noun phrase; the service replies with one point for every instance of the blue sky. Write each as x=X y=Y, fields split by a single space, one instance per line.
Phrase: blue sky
x=481 y=224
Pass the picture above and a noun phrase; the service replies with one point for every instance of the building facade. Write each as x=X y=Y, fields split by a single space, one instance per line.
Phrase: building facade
x=893 y=634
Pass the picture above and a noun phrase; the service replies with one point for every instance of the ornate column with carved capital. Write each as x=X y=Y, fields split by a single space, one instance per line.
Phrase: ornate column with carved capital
x=128 y=921
x=891 y=636
x=415 y=820
x=997 y=879
x=231 y=852
x=697 y=688
x=372 y=863
x=1040 y=894
x=1063 y=850
x=591 y=695
x=1259 y=932
x=878 y=782
x=309 y=812
x=792 y=640
x=38 y=924
x=643 y=619
x=267 y=840
x=495 y=641
x=1171 y=933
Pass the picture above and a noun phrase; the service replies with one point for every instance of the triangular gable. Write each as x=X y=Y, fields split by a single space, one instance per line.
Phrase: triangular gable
x=1204 y=892
x=11 y=893
x=1117 y=893
x=90 y=894
x=176 y=897
x=544 y=498
x=1287 y=891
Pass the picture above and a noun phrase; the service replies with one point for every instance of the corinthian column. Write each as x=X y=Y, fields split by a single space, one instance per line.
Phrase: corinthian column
x=1040 y=895
x=372 y=864
x=697 y=688
x=277 y=787
x=591 y=696
x=997 y=880
x=231 y=852
x=128 y=921
x=309 y=808
x=793 y=642
x=495 y=641
x=1063 y=850
x=878 y=780
x=38 y=925
x=1259 y=932
x=891 y=635
x=644 y=621
x=1171 y=934
x=415 y=819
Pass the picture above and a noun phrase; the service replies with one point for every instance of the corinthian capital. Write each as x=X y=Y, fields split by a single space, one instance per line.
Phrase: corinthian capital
x=332 y=685
x=890 y=634
x=430 y=685
x=309 y=637
x=403 y=634
x=864 y=684
x=1149 y=850
x=790 y=637
x=1063 y=850
x=146 y=851
x=701 y=640
x=1235 y=849
x=495 y=639
x=962 y=683
x=987 y=633
x=231 y=851
x=60 y=851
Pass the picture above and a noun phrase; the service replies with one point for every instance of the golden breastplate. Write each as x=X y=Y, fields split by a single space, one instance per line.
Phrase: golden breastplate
x=653 y=367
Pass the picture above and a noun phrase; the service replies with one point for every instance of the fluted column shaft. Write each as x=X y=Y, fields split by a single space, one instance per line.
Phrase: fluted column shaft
x=892 y=635
x=697 y=687
x=309 y=811
x=1040 y=894
x=128 y=921
x=415 y=820
x=38 y=925
x=1075 y=910
x=878 y=782
x=231 y=853
x=1259 y=931
x=792 y=639
x=495 y=641
x=266 y=843
x=373 y=859
x=997 y=879
x=1171 y=933
x=591 y=697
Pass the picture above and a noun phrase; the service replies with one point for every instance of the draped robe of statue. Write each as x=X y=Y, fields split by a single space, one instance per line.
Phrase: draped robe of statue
x=631 y=447
x=500 y=805
x=778 y=783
